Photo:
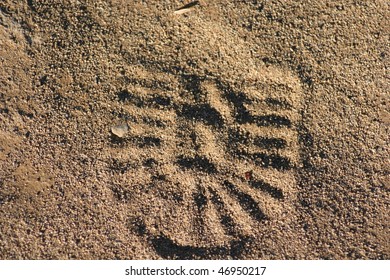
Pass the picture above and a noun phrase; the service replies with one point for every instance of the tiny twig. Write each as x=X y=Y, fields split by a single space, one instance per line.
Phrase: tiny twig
x=186 y=8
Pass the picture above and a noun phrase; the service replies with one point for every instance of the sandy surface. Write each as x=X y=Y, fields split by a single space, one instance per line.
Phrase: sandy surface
x=251 y=129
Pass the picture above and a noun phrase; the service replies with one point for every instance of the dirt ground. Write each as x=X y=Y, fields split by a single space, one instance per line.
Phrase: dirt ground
x=237 y=130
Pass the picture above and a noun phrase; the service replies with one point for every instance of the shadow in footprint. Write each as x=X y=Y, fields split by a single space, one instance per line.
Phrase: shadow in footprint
x=270 y=143
x=276 y=103
x=246 y=201
x=273 y=160
x=147 y=141
x=265 y=187
x=202 y=112
x=192 y=84
x=225 y=219
x=197 y=162
x=167 y=248
x=271 y=120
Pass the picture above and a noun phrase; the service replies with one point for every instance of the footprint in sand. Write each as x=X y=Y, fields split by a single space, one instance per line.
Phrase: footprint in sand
x=219 y=158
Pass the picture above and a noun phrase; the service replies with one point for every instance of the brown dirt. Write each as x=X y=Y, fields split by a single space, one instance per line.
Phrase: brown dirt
x=257 y=129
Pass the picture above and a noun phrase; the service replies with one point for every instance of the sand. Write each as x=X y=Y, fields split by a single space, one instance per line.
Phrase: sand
x=233 y=130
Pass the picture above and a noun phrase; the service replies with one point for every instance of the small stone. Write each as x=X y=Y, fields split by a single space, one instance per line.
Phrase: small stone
x=120 y=130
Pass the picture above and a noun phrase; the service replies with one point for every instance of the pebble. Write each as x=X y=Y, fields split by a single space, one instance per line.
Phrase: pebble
x=120 y=130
